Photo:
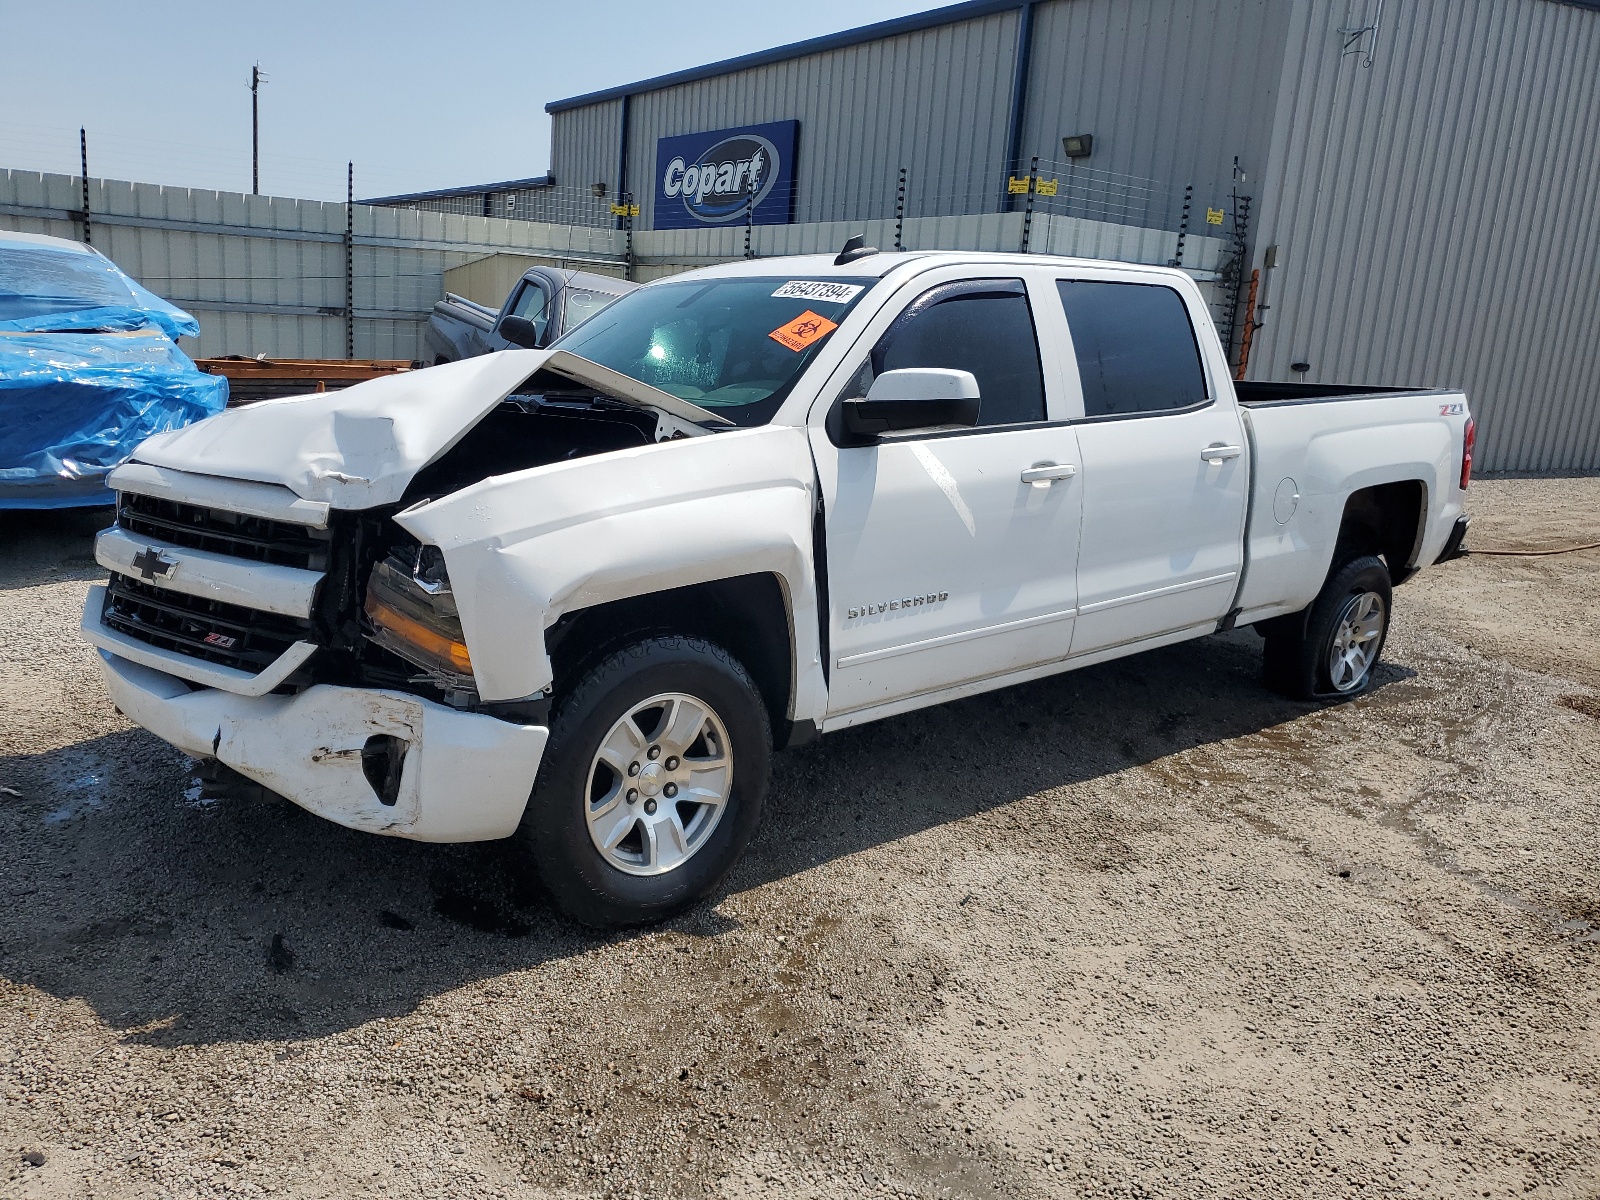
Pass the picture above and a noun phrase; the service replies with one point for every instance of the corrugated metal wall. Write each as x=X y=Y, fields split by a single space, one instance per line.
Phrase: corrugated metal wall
x=1438 y=215
x=553 y=205
x=1171 y=90
x=583 y=150
x=266 y=275
x=935 y=101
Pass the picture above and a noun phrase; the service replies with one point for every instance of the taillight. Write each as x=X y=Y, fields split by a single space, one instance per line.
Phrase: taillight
x=1467 y=443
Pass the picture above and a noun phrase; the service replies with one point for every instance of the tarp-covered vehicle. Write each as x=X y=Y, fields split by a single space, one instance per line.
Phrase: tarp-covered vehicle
x=89 y=368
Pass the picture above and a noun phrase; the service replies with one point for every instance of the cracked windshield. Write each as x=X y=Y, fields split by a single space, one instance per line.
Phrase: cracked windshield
x=734 y=346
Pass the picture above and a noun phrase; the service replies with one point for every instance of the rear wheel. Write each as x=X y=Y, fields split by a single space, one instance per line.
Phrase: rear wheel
x=652 y=783
x=1342 y=638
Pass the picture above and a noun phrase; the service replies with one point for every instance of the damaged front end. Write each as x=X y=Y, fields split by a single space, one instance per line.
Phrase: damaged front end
x=413 y=614
x=316 y=649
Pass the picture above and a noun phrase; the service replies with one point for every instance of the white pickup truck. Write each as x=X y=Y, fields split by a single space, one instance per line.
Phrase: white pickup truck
x=577 y=596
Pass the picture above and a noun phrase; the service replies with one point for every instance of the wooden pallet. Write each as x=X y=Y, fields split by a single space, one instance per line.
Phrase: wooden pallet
x=252 y=379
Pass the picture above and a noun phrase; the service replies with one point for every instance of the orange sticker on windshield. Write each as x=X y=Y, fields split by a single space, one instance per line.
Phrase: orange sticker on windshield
x=803 y=330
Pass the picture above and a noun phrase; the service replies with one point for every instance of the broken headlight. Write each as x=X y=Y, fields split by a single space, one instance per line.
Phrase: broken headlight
x=413 y=614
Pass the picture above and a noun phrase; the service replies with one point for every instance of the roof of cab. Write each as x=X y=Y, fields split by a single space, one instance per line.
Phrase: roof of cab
x=872 y=266
x=876 y=266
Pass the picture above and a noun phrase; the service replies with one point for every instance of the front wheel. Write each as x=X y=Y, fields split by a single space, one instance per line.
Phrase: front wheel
x=1343 y=636
x=652 y=782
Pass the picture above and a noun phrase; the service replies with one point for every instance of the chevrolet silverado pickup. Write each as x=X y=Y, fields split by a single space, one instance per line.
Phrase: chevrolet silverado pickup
x=544 y=304
x=577 y=596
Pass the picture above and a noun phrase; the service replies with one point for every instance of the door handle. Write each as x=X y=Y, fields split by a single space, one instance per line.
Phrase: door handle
x=1042 y=475
x=1217 y=452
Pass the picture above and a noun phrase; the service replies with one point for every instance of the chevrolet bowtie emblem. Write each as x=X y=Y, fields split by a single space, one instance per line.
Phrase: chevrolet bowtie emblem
x=153 y=565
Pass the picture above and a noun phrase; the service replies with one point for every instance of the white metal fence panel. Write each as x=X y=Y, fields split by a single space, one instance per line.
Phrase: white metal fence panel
x=267 y=274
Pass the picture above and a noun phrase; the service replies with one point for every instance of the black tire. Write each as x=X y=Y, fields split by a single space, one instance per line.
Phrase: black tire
x=1298 y=665
x=554 y=835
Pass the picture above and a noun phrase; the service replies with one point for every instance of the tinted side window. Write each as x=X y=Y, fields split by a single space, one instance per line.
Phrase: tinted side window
x=983 y=327
x=533 y=304
x=530 y=302
x=1136 y=349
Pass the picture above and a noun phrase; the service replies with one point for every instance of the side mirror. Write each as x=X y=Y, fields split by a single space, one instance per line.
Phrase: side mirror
x=913 y=398
x=520 y=331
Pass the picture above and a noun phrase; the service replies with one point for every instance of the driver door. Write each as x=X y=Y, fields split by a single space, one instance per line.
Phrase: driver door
x=944 y=566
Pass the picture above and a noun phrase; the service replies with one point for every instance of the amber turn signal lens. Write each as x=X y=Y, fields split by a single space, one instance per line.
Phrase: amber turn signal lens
x=419 y=635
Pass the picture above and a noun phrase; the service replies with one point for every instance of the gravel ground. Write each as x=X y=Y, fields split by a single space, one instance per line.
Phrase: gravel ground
x=1144 y=930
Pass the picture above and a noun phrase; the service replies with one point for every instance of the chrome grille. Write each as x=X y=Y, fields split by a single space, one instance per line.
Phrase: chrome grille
x=238 y=535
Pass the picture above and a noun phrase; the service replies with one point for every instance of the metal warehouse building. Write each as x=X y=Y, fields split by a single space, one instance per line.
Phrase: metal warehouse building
x=1415 y=181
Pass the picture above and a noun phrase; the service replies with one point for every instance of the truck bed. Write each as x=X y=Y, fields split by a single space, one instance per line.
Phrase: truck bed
x=1257 y=395
x=1312 y=444
x=469 y=311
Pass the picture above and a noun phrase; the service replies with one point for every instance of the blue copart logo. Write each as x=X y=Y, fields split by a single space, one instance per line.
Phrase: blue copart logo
x=727 y=181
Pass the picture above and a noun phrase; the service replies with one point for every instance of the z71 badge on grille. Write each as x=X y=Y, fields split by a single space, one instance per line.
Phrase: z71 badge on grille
x=868 y=610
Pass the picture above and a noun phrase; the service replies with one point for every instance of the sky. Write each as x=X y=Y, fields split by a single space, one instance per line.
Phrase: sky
x=417 y=95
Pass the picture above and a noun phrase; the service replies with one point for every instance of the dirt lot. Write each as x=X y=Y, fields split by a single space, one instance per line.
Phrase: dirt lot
x=1144 y=930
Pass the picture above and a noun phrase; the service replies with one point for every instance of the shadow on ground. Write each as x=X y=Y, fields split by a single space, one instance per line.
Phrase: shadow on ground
x=41 y=546
x=185 y=921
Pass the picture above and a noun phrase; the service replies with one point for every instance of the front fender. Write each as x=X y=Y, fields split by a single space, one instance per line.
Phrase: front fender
x=527 y=548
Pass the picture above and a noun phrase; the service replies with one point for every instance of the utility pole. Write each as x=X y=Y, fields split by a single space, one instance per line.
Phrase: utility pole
x=350 y=260
x=257 y=78
x=83 y=153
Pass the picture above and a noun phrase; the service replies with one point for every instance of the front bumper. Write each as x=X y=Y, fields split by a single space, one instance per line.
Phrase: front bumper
x=465 y=777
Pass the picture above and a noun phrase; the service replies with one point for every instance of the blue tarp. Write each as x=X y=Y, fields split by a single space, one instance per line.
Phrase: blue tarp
x=89 y=368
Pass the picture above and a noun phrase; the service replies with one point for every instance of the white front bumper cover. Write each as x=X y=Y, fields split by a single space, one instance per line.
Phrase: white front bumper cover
x=466 y=776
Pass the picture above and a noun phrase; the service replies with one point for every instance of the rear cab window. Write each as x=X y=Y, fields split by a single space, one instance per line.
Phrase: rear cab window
x=583 y=303
x=1136 y=348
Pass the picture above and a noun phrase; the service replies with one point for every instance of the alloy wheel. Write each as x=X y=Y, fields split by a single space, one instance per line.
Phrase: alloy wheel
x=658 y=784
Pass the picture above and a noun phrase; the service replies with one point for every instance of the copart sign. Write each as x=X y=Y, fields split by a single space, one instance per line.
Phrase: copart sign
x=726 y=176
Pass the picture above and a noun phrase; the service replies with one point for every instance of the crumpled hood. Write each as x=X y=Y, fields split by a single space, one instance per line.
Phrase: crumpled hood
x=352 y=449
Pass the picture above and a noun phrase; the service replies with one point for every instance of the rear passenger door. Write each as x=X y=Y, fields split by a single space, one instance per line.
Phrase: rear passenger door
x=1164 y=471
